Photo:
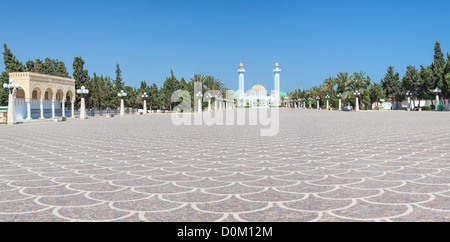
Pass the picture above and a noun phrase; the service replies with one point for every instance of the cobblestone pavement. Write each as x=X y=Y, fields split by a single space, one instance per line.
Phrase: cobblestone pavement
x=322 y=166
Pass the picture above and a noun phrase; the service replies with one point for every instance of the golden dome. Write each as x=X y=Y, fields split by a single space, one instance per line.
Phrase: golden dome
x=276 y=64
x=258 y=88
x=241 y=65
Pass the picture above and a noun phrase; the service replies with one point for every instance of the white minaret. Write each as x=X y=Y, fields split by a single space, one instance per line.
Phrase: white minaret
x=276 y=72
x=241 y=72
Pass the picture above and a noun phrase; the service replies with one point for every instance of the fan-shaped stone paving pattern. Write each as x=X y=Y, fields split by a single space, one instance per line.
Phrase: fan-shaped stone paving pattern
x=322 y=166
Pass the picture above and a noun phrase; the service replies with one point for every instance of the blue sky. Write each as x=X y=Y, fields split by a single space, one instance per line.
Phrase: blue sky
x=311 y=40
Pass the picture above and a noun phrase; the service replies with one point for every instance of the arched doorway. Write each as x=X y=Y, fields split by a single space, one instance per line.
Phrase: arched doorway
x=20 y=105
x=36 y=97
x=69 y=104
x=47 y=103
x=59 y=102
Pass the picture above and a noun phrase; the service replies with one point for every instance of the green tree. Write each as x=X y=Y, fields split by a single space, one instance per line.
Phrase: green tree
x=31 y=65
x=48 y=67
x=410 y=81
x=170 y=85
x=391 y=85
x=341 y=81
x=153 y=96
x=11 y=65
x=80 y=75
x=426 y=84
x=61 y=70
x=375 y=93
x=444 y=83
x=97 y=91
x=329 y=84
x=365 y=99
x=110 y=93
x=130 y=100
x=438 y=64
x=144 y=88
x=118 y=82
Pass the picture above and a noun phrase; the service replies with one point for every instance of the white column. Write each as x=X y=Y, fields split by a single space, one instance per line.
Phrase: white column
x=409 y=104
x=82 y=109
x=63 y=108
x=241 y=72
x=340 y=104
x=199 y=105
x=28 y=108
x=53 y=108
x=11 y=119
x=357 y=104
x=276 y=72
x=72 y=107
x=209 y=105
x=437 y=102
x=41 y=104
x=145 y=106
x=122 y=108
x=215 y=105
x=318 y=104
x=327 y=105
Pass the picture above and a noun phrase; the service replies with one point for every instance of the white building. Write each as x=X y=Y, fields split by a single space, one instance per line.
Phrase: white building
x=257 y=96
x=387 y=105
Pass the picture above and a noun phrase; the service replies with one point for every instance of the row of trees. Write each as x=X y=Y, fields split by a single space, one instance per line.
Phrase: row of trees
x=103 y=90
x=420 y=83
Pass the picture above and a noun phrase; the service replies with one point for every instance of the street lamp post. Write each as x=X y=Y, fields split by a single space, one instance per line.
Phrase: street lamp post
x=304 y=103
x=83 y=91
x=318 y=98
x=437 y=91
x=215 y=103
x=357 y=93
x=327 y=98
x=340 y=101
x=199 y=96
x=11 y=101
x=408 y=94
x=209 y=97
x=144 y=96
x=122 y=94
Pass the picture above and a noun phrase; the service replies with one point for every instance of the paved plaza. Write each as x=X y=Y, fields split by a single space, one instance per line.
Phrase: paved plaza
x=322 y=166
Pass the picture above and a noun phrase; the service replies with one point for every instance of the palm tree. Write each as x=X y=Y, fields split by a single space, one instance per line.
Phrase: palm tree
x=329 y=84
x=315 y=91
x=341 y=80
x=213 y=83
x=197 y=78
x=358 y=83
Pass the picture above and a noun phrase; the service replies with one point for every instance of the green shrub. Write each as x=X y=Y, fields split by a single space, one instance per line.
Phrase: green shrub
x=426 y=108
